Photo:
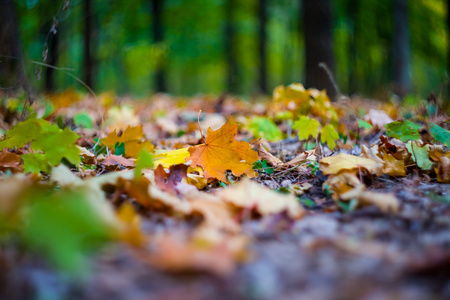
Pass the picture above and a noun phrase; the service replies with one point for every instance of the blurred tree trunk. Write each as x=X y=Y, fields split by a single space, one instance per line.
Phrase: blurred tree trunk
x=88 y=63
x=401 y=48
x=158 y=37
x=317 y=20
x=230 y=36
x=11 y=67
x=53 y=54
x=262 y=15
x=353 y=9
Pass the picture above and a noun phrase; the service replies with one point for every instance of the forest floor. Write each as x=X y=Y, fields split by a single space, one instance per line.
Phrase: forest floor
x=375 y=228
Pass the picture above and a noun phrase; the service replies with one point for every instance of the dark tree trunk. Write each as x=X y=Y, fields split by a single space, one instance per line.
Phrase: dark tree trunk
x=353 y=9
x=158 y=37
x=401 y=48
x=88 y=63
x=53 y=55
x=317 y=21
x=262 y=15
x=230 y=35
x=11 y=67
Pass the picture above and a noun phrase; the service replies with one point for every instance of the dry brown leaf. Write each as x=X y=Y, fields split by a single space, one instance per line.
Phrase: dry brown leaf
x=176 y=253
x=342 y=183
x=347 y=163
x=117 y=161
x=393 y=166
x=10 y=161
x=271 y=160
x=215 y=212
x=251 y=195
x=378 y=118
x=387 y=202
x=442 y=168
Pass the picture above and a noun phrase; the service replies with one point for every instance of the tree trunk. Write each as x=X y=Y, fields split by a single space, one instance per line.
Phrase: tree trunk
x=11 y=67
x=88 y=63
x=158 y=37
x=53 y=55
x=401 y=48
x=262 y=15
x=317 y=20
x=230 y=34
x=353 y=12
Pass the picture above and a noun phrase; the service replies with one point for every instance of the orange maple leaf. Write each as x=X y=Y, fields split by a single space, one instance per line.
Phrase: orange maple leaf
x=222 y=152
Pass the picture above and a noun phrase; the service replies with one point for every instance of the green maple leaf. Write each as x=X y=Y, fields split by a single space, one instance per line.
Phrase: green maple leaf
x=306 y=127
x=58 y=145
x=265 y=128
x=420 y=155
x=35 y=162
x=329 y=136
x=403 y=130
x=440 y=134
x=24 y=132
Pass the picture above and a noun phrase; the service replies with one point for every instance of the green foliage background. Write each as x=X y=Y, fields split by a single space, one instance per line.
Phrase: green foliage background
x=194 y=52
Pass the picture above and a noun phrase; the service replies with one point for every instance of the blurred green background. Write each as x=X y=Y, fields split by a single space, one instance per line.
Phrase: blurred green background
x=191 y=51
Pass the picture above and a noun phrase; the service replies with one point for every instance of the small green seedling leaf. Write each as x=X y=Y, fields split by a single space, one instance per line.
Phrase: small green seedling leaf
x=329 y=136
x=263 y=166
x=440 y=134
x=403 y=130
x=306 y=127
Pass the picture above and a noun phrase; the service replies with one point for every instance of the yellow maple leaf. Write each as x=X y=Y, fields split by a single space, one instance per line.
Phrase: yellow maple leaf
x=346 y=163
x=221 y=152
x=132 y=138
x=173 y=157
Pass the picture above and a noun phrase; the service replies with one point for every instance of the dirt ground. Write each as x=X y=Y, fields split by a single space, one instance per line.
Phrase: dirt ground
x=329 y=254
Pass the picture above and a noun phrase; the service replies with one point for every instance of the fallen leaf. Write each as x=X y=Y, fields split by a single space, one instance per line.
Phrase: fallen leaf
x=131 y=139
x=419 y=154
x=271 y=160
x=387 y=202
x=247 y=194
x=440 y=134
x=393 y=166
x=403 y=130
x=167 y=181
x=221 y=152
x=306 y=127
x=10 y=161
x=442 y=168
x=329 y=135
x=115 y=161
x=378 y=118
x=264 y=128
x=347 y=163
x=173 y=157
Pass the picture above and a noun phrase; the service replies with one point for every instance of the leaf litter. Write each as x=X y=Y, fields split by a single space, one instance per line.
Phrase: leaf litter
x=287 y=198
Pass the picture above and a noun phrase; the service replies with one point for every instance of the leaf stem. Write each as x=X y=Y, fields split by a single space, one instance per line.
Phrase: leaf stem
x=199 y=127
